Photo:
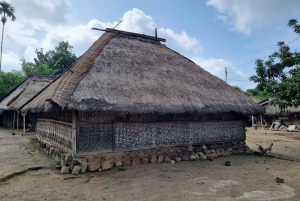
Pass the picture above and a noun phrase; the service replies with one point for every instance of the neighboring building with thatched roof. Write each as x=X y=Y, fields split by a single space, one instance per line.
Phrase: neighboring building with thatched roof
x=128 y=91
x=289 y=115
x=20 y=95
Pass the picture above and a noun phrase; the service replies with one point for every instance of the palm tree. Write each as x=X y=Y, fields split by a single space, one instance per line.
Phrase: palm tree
x=8 y=11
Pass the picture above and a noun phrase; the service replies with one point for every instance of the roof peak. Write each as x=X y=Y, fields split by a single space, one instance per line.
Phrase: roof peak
x=131 y=34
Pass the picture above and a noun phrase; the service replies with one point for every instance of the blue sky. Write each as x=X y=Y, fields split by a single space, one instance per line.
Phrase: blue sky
x=213 y=33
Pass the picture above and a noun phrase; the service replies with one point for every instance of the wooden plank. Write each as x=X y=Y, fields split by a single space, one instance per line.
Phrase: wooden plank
x=73 y=133
x=131 y=34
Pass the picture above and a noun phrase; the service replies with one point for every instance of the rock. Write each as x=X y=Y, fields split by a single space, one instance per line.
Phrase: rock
x=190 y=148
x=153 y=158
x=94 y=162
x=233 y=143
x=106 y=165
x=192 y=157
x=178 y=159
x=76 y=169
x=227 y=163
x=83 y=165
x=141 y=154
x=172 y=161
x=63 y=162
x=234 y=147
x=185 y=157
x=241 y=142
x=214 y=155
x=172 y=155
x=126 y=161
x=197 y=156
x=209 y=158
x=132 y=155
x=75 y=162
x=136 y=162
x=203 y=157
x=200 y=154
x=249 y=151
x=160 y=158
x=108 y=157
x=145 y=161
x=68 y=159
x=65 y=170
x=51 y=151
x=118 y=160
x=58 y=167
x=167 y=159
x=203 y=147
x=229 y=149
x=212 y=151
x=279 y=180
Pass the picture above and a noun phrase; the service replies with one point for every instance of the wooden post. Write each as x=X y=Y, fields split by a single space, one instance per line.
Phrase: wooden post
x=14 y=121
x=24 y=123
x=73 y=133
x=17 y=122
x=262 y=125
x=252 y=125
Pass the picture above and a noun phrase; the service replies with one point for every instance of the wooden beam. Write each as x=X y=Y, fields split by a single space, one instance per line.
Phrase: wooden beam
x=14 y=121
x=17 y=122
x=130 y=33
x=74 y=133
x=24 y=115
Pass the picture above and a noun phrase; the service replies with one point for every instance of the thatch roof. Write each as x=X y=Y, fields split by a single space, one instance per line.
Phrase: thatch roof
x=128 y=73
x=24 y=91
x=272 y=110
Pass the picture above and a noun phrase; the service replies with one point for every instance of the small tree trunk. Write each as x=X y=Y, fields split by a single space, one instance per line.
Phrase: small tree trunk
x=1 y=47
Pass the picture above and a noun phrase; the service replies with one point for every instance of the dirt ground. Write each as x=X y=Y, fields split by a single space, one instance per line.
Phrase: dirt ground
x=249 y=177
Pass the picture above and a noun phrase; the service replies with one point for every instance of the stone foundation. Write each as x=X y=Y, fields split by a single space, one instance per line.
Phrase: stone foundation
x=168 y=154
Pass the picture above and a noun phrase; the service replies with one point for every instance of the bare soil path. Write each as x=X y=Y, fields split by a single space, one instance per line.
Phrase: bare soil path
x=248 y=178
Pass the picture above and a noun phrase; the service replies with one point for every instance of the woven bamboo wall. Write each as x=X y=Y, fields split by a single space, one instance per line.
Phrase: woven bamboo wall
x=130 y=136
x=58 y=134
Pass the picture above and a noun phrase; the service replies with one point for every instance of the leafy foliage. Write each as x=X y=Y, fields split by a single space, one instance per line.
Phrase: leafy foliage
x=10 y=80
x=279 y=77
x=50 y=62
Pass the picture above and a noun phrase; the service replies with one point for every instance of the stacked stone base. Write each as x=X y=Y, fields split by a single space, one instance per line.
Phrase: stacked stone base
x=170 y=154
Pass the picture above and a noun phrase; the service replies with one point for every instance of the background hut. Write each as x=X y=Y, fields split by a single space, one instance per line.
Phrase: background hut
x=18 y=96
x=289 y=115
x=128 y=91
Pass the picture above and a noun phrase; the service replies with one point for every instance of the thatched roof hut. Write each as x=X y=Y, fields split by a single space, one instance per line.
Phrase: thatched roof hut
x=20 y=95
x=131 y=74
x=24 y=91
x=128 y=91
x=272 y=110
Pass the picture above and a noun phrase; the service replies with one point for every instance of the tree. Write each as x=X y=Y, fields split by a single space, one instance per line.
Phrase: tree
x=52 y=62
x=8 y=11
x=279 y=77
x=9 y=80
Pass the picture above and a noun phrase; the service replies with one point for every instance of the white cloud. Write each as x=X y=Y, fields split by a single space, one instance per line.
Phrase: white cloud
x=241 y=74
x=213 y=65
x=135 y=20
x=43 y=24
x=10 y=60
x=246 y=15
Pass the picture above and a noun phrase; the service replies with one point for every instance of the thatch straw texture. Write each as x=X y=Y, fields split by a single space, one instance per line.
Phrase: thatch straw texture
x=136 y=75
x=32 y=89
x=24 y=91
x=272 y=110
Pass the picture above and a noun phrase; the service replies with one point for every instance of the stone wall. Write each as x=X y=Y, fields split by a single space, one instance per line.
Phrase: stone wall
x=172 y=154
